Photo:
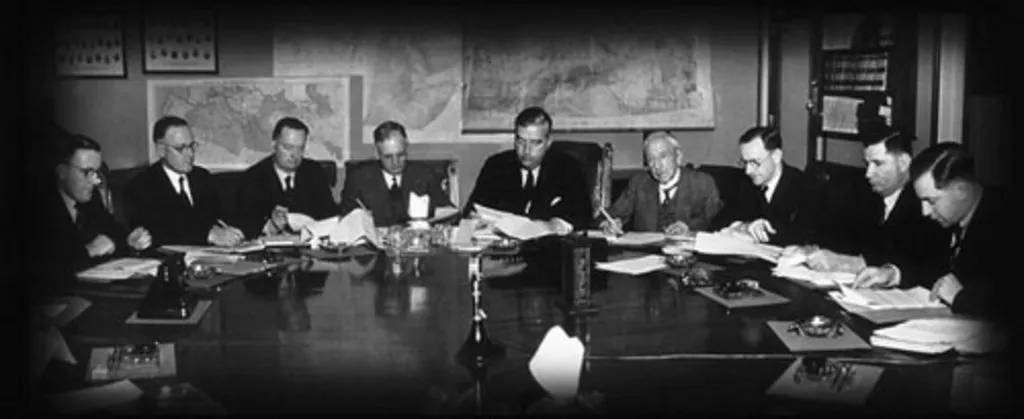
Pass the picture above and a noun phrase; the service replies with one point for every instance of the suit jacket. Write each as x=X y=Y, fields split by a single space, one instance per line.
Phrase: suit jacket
x=917 y=245
x=983 y=264
x=500 y=186
x=793 y=211
x=260 y=190
x=63 y=243
x=695 y=202
x=366 y=182
x=155 y=205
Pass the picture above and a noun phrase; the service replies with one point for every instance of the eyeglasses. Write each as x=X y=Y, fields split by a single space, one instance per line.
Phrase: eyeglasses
x=533 y=143
x=181 y=148
x=87 y=171
x=755 y=163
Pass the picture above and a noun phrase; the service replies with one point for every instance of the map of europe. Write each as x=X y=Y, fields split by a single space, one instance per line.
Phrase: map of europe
x=620 y=78
x=233 y=119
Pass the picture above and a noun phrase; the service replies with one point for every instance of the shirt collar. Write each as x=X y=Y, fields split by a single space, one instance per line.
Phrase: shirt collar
x=281 y=175
x=173 y=176
x=536 y=174
x=774 y=181
x=389 y=176
x=890 y=200
x=671 y=182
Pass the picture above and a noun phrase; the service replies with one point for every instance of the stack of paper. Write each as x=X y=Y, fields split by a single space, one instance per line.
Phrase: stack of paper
x=119 y=270
x=631 y=238
x=634 y=266
x=355 y=228
x=884 y=299
x=818 y=278
x=282 y=240
x=726 y=244
x=940 y=335
x=515 y=226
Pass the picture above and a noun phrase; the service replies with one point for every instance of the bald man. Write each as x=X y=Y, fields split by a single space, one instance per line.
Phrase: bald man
x=670 y=197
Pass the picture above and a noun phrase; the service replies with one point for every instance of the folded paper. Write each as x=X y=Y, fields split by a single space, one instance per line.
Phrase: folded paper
x=419 y=206
x=119 y=270
x=557 y=364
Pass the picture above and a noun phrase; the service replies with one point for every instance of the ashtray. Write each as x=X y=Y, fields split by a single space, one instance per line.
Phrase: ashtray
x=738 y=289
x=144 y=356
x=817 y=326
x=835 y=375
x=201 y=271
x=696 y=277
x=504 y=243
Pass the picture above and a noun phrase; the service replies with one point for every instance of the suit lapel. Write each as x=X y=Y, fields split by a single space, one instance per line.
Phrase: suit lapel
x=167 y=189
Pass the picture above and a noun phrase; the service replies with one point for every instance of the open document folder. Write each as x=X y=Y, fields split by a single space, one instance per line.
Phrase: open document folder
x=515 y=226
x=355 y=228
x=726 y=244
x=119 y=269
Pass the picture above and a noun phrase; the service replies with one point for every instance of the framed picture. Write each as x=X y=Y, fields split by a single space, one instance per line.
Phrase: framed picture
x=90 y=45
x=179 y=42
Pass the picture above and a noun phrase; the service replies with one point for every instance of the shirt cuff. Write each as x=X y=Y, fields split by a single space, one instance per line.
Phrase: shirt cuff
x=898 y=275
x=565 y=226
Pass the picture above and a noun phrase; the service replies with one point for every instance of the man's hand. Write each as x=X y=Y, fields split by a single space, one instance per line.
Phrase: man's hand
x=760 y=229
x=139 y=239
x=278 y=222
x=885 y=276
x=225 y=236
x=946 y=289
x=612 y=227
x=677 y=228
x=100 y=246
x=829 y=261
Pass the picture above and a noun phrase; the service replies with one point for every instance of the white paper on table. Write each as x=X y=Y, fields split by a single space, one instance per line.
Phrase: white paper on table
x=523 y=228
x=90 y=399
x=204 y=256
x=419 y=206
x=491 y=215
x=355 y=227
x=441 y=213
x=635 y=266
x=298 y=220
x=886 y=299
x=463 y=236
x=557 y=363
x=819 y=278
x=965 y=335
x=119 y=269
x=318 y=229
x=727 y=244
x=637 y=238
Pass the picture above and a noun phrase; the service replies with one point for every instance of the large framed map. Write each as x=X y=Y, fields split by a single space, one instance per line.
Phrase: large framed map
x=233 y=119
x=620 y=78
x=412 y=71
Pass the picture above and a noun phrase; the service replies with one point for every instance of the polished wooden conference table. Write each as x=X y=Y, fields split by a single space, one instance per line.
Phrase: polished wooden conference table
x=379 y=333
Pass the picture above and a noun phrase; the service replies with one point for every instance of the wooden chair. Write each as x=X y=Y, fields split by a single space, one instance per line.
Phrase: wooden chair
x=596 y=160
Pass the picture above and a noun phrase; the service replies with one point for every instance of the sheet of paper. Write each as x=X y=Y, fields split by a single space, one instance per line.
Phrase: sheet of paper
x=419 y=206
x=441 y=213
x=319 y=228
x=119 y=270
x=298 y=220
x=181 y=248
x=357 y=225
x=93 y=398
x=885 y=299
x=557 y=363
x=965 y=335
x=727 y=244
x=637 y=238
x=244 y=247
x=282 y=240
x=523 y=228
x=211 y=258
x=921 y=348
x=634 y=266
x=490 y=214
x=818 y=278
x=463 y=236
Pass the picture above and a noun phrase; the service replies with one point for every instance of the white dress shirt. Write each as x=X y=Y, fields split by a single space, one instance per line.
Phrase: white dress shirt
x=671 y=187
x=772 y=183
x=890 y=202
x=282 y=175
x=70 y=203
x=391 y=179
x=175 y=183
x=522 y=175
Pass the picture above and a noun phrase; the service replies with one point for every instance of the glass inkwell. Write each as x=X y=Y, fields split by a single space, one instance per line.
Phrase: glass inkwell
x=817 y=326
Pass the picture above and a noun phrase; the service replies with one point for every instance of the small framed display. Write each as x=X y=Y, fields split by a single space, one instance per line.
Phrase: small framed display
x=179 y=42
x=90 y=45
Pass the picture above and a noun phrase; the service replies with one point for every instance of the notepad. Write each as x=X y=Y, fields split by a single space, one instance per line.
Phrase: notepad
x=119 y=270
x=634 y=266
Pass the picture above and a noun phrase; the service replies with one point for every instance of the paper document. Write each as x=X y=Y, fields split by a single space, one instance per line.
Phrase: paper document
x=726 y=244
x=281 y=240
x=441 y=213
x=557 y=363
x=463 y=235
x=942 y=334
x=356 y=227
x=634 y=266
x=243 y=247
x=93 y=398
x=818 y=278
x=319 y=229
x=419 y=206
x=490 y=214
x=119 y=269
x=630 y=238
x=298 y=220
x=883 y=299
x=523 y=228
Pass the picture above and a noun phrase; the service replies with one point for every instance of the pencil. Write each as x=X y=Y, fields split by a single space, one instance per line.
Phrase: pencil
x=605 y=213
x=360 y=203
x=222 y=223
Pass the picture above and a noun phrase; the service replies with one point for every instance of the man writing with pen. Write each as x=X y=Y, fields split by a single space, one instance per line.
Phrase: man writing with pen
x=670 y=197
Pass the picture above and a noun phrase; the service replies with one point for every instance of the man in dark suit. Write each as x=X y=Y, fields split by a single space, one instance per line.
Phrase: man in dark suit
x=975 y=281
x=533 y=181
x=671 y=197
x=80 y=232
x=780 y=205
x=174 y=199
x=283 y=182
x=383 y=187
x=900 y=246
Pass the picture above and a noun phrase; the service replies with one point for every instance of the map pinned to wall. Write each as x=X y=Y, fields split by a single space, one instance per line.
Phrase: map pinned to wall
x=90 y=45
x=233 y=119
x=412 y=71
x=621 y=77
x=180 y=42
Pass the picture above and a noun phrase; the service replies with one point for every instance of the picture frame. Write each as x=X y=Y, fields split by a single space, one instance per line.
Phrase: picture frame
x=90 y=44
x=179 y=42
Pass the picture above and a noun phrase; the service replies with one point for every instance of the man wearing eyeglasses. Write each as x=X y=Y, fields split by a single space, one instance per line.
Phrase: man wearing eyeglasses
x=174 y=199
x=533 y=180
x=283 y=182
x=383 y=187
x=780 y=205
x=81 y=232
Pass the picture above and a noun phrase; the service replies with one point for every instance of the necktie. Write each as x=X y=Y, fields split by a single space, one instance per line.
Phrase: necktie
x=666 y=212
x=395 y=195
x=82 y=222
x=764 y=192
x=289 y=191
x=957 y=241
x=529 y=189
x=182 y=193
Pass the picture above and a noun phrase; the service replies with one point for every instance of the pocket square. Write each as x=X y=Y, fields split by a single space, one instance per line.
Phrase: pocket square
x=556 y=200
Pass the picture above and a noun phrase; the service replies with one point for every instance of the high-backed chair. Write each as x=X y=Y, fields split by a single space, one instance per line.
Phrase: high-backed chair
x=596 y=160
x=728 y=180
x=444 y=169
